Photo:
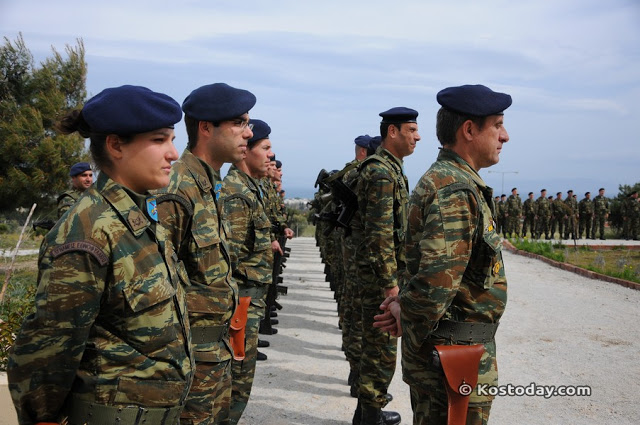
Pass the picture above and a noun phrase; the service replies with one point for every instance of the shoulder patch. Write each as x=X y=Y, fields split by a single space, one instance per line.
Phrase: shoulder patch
x=176 y=198
x=86 y=246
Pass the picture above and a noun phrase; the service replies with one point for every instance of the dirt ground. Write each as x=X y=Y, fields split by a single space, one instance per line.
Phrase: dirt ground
x=559 y=329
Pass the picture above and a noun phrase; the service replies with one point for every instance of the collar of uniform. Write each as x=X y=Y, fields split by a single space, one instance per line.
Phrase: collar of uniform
x=201 y=172
x=121 y=200
x=449 y=155
x=391 y=157
x=251 y=183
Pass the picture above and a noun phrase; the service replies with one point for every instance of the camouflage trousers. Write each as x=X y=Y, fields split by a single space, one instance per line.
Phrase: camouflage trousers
x=529 y=223
x=569 y=228
x=598 y=224
x=210 y=395
x=557 y=223
x=585 y=225
x=630 y=228
x=513 y=226
x=379 y=349
x=543 y=222
x=353 y=341
x=427 y=385
x=242 y=372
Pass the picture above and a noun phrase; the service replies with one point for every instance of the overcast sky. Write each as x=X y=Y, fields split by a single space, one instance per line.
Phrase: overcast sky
x=322 y=71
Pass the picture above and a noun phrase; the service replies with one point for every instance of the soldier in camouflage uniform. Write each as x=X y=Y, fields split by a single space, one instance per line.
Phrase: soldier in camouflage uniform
x=529 y=212
x=250 y=239
x=81 y=179
x=631 y=216
x=558 y=212
x=513 y=212
x=585 y=208
x=543 y=215
x=571 y=223
x=382 y=192
x=601 y=212
x=216 y=117
x=351 y=303
x=502 y=215
x=455 y=289
x=109 y=340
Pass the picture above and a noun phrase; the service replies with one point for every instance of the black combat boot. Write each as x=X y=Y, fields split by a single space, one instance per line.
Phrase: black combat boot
x=261 y=356
x=357 y=415
x=262 y=343
x=375 y=416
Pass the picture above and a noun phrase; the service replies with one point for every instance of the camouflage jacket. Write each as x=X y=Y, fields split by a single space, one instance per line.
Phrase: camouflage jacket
x=529 y=207
x=249 y=228
x=559 y=208
x=67 y=199
x=110 y=324
x=273 y=209
x=543 y=207
x=189 y=211
x=454 y=255
x=501 y=209
x=514 y=206
x=572 y=204
x=383 y=195
x=600 y=205
x=585 y=207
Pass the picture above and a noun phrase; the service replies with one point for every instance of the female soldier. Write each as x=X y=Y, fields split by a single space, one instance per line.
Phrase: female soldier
x=108 y=342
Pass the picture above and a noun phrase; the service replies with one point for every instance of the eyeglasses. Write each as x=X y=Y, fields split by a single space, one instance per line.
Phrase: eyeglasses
x=238 y=122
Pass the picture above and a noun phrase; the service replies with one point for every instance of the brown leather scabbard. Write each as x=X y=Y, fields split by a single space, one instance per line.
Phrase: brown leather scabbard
x=460 y=365
x=237 y=328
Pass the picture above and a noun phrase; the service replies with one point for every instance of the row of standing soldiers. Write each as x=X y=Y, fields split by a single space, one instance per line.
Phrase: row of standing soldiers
x=546 y=216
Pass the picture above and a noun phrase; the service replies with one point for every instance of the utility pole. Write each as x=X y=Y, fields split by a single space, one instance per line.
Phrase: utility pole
x=503 y=173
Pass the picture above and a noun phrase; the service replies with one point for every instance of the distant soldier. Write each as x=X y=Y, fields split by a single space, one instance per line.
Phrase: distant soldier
x=514 y=212
x=585 y=209
x=501 y=222
x=543 y=211
x=571 y=223
x=631 y=216
x=558 y=215
x=601 y=212
x=383 y=195
x=250 y=239
x=529 y=212
x=81 y=179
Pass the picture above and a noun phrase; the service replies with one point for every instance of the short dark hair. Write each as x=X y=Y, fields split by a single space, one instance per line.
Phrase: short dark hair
x=191 y=125
x=384 y=128
x=448 y=122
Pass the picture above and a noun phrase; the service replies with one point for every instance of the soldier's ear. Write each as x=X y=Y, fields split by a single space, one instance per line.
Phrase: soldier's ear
x=113 y=146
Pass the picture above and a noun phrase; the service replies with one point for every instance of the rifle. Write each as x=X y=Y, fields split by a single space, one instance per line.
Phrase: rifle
x=341 y=195
x=275 y=289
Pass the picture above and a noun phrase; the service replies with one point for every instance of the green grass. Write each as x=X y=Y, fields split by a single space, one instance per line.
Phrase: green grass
x=619 y=262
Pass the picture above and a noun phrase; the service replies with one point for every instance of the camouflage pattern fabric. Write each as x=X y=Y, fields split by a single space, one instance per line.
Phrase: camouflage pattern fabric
x=559 y=212
x=543 y=211
x=501 y=220
x=273 y=207
x=67 y=199
x=585 y=208
x=250 y=240
x=514 y=211
x=529 y=212
x=571 y=220
x=600 y=210
x=382 y=204
x=631 y=217
x=110 y=325
x=454 y=272
x=191 y=215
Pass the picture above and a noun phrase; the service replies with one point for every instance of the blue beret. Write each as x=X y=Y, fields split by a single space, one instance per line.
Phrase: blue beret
x=278 y=163
x=399 y=115
x=261 y=130
x=79 y=168
x=130 y=110
x=363 y=141
x=476 y=100
x=375 y=142
x=218 y=102
x=272 y=158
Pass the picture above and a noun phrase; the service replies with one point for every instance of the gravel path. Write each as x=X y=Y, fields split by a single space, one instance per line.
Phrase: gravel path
x=559 y=329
